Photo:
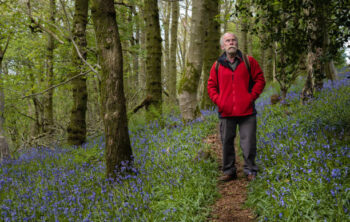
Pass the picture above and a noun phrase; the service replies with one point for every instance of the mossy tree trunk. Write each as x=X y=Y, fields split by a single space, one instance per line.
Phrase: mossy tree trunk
x=48 y=104
x=166 y=52
x=173 y=47
x=211 y=49
x=153 y=60
x=4 y=148
x=190 y=78
x=77 y=126
x=118 y=148
x=142 y=57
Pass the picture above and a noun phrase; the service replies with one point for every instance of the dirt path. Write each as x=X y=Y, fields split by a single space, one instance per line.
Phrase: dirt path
x=229 y=207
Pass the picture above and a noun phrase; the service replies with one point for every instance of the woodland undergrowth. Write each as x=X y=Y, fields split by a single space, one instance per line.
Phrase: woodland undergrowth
x=303 y=154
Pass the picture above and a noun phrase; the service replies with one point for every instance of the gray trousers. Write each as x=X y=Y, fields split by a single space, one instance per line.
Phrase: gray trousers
x=247 y=132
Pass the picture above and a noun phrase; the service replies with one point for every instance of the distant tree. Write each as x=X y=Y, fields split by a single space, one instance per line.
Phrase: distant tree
x=4 y=148
x=48 y=104
x=118 y=148
x=173 y=48
x=327 y=27
x=189 y=82
x=279 y=23
x=77 y=126
x=153 y=60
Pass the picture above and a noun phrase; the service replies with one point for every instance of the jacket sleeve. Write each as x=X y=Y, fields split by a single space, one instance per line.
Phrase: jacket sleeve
x=213 y=87
x=258 y=78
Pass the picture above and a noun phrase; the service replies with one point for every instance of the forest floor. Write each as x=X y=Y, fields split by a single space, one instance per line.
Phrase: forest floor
x=229 y=207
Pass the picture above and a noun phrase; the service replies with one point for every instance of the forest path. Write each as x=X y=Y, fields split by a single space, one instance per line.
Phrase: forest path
x=229 y=206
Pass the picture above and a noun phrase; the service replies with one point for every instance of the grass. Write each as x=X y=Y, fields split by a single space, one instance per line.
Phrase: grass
x=168 y=182
x=303 y=154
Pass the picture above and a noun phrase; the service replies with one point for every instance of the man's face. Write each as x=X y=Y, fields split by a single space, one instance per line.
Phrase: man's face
x=230 y=44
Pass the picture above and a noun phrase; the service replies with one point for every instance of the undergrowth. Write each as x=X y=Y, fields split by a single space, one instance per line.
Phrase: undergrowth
x=304 y=155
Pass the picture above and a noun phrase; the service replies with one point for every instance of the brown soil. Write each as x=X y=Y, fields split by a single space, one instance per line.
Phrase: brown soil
x=229 y=206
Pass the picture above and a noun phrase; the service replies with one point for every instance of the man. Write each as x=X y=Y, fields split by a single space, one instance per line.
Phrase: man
x=233 y=89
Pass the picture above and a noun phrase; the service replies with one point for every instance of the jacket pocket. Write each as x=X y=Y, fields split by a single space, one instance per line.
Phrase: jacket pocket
x=245 y=104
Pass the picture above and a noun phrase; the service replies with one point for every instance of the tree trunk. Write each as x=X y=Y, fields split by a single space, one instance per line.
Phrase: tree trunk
x=211 y=47
x=135 y=43
x=166 y=54
x=308 y=90
x=331 y=72
x=173 y=47
x=244 y=36
x=250 y=44
x=226 y=15
x=142 y=69
x=190 y=79
x=4 y=148
x=268 y=72
x=184 y=43
x=118 y=149
x=77 y=126
x=153 y=60
x=48 y=104
x=315 y=66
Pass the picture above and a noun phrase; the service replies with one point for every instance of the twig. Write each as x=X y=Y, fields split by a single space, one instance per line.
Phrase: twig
x=55 y=86
x=75 y=45
x=25 y=115
x=123 y=4
x=40 y=26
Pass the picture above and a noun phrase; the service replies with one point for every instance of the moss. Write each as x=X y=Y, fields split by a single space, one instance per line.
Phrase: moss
x=189 y=80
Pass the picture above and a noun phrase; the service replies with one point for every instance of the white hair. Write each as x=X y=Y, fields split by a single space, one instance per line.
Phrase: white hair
x=222 y=38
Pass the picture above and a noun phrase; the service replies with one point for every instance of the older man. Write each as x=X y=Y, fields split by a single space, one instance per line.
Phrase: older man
x=235 y=82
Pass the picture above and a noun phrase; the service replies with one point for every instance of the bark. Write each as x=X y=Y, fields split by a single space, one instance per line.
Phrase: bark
x=315 y=66
x=268 y=72
x=308 y=89
x=142 y=69
x=135 y=43
x=173 y=48
x=4 y=148
x=118 y=149
x=228 y=4
x=211 y=49
x=153 y=59
x=38 y=107
x=166 y=54
x=77 y=126
x=331 y=72
x=244 y=24
x=328 y=66
x=250 y=44
x=190 y=79
x=185 y=29
x=48 y=104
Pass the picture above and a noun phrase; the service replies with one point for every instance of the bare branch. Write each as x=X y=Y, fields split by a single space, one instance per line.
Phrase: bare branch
x=6 y=45
x=123 y=4
x=29 y=13
x=55 y=86
x=75 y=45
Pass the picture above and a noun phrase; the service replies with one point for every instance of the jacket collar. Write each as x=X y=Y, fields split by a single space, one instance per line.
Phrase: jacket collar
x=224 y=62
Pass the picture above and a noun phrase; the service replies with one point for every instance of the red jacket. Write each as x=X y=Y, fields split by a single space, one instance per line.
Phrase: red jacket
x=235 y=95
